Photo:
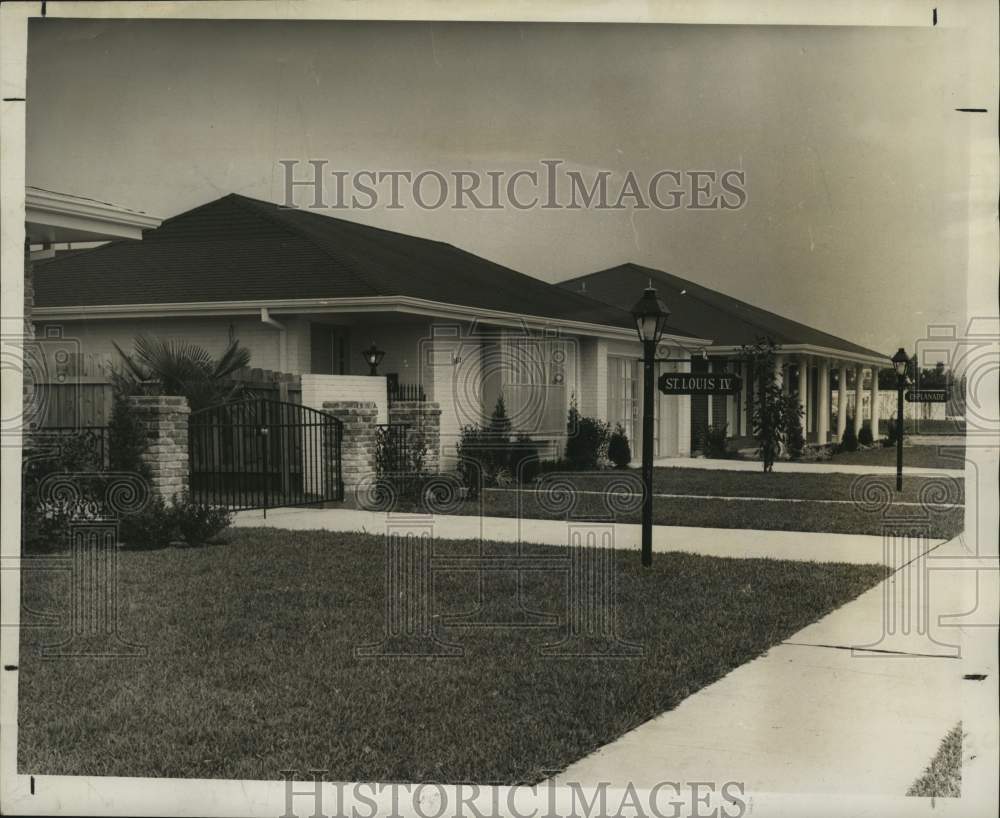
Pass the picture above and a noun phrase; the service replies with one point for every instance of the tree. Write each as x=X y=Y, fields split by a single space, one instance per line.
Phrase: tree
x=172 y=367
x=768 y=415
x=795 y=439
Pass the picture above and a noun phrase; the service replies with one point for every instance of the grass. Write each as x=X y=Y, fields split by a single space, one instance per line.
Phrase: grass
x=912 y=426
x=943 y=776
x=919 y=456
x=251 y=667
x=809 y=516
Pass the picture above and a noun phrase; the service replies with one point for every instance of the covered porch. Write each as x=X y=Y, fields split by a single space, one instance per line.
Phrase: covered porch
x=833 y=389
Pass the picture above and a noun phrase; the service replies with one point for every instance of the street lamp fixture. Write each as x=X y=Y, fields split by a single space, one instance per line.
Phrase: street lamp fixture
x=650 y=315
x=373 y=357
x=900 y=362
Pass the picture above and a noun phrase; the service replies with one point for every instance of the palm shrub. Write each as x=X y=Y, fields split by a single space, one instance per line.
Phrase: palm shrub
x=619 y=451
x=171 y=367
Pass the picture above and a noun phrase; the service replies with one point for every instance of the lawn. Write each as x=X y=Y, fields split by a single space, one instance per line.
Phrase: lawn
x=919 y=456
x=251 y=666
x=943 y=776
x=701 y=507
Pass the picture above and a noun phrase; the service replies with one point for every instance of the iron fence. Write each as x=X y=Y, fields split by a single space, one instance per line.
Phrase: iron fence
x=80 y=447
x=261 y=453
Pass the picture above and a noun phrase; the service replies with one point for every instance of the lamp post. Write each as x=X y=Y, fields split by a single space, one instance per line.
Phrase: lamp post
x=373 y=357
x=650 y=316
x=899 y=362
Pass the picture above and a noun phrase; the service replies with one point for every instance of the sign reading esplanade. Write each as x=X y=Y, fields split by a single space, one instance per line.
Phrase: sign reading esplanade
x=926 y=396
x=702 y=383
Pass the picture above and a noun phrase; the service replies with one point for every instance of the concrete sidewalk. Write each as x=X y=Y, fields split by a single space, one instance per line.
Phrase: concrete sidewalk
x=804 y=468
x=716 y=542
x=813 y=715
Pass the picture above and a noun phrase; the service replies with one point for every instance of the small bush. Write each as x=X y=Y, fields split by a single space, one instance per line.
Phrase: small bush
x=865 y=435
x=484 y=459
x=714 y=442
x=46 y=526
x=586 y=440
x=892 y=432
x=522 y=458
x=619 y=451
x=153 y=527
x=198 y=523
x=475 y=458
x=849 y=441
x=126 y=438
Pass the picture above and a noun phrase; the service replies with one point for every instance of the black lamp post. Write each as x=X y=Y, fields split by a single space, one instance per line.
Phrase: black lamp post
x=373 y=357
x=651 y=316
x=899 y=362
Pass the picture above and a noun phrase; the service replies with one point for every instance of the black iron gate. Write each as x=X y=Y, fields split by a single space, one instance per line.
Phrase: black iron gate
x=262 y=453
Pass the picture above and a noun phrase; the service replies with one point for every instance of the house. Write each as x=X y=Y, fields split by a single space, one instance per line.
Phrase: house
x=308 y=294
x=806 y=359
x=53 y=218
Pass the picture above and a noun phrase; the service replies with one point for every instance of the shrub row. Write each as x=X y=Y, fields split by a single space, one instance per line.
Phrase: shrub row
x=47 y=526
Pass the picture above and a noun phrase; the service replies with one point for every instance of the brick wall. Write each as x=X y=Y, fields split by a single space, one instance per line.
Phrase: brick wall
x=357 y=450
x=166 y=421
x=318 y=390
x=423 y=417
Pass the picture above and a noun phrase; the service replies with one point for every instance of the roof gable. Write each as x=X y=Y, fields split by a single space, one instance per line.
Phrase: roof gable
x=703 y=312
x=238 y=248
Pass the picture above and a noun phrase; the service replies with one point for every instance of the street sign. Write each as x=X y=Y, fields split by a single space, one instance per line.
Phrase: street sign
x=926 y=396
x=700 y=383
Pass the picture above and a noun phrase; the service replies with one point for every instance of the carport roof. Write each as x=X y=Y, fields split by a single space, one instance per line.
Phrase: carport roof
x=238 y=248
x=707 y=313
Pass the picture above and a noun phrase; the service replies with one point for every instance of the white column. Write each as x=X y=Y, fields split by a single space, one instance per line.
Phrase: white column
x=823 y=409
x=683 y=417
x=804 y=392
x=745 y=400
x=779 y=370
x=711 y=422
x=859 y=374
x=841 y=401
x=875 y=406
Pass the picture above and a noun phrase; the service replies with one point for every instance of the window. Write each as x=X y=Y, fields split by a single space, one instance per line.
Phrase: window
x=623 y=394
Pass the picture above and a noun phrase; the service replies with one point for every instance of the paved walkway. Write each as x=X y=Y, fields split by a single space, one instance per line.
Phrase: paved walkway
x=716 y=542
x=805 y=468
x=813 y=715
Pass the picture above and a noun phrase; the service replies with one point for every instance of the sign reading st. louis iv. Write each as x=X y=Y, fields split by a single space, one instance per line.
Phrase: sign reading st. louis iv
x=700 y=383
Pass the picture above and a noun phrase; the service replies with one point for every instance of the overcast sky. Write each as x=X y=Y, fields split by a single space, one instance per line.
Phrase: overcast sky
x=855 y=161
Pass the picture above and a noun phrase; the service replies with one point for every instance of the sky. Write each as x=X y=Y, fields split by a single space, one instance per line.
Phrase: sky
x=855 y=162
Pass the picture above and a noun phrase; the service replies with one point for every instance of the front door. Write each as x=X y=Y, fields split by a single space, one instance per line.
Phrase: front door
x=328 y=347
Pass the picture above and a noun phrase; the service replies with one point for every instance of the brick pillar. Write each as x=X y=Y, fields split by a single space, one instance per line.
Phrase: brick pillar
x=166 y=421
x=357 y=449
x=423 y=417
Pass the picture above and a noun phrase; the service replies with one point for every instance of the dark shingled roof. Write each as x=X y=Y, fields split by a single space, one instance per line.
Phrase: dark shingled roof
x=241 y=249
x=703 y=312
